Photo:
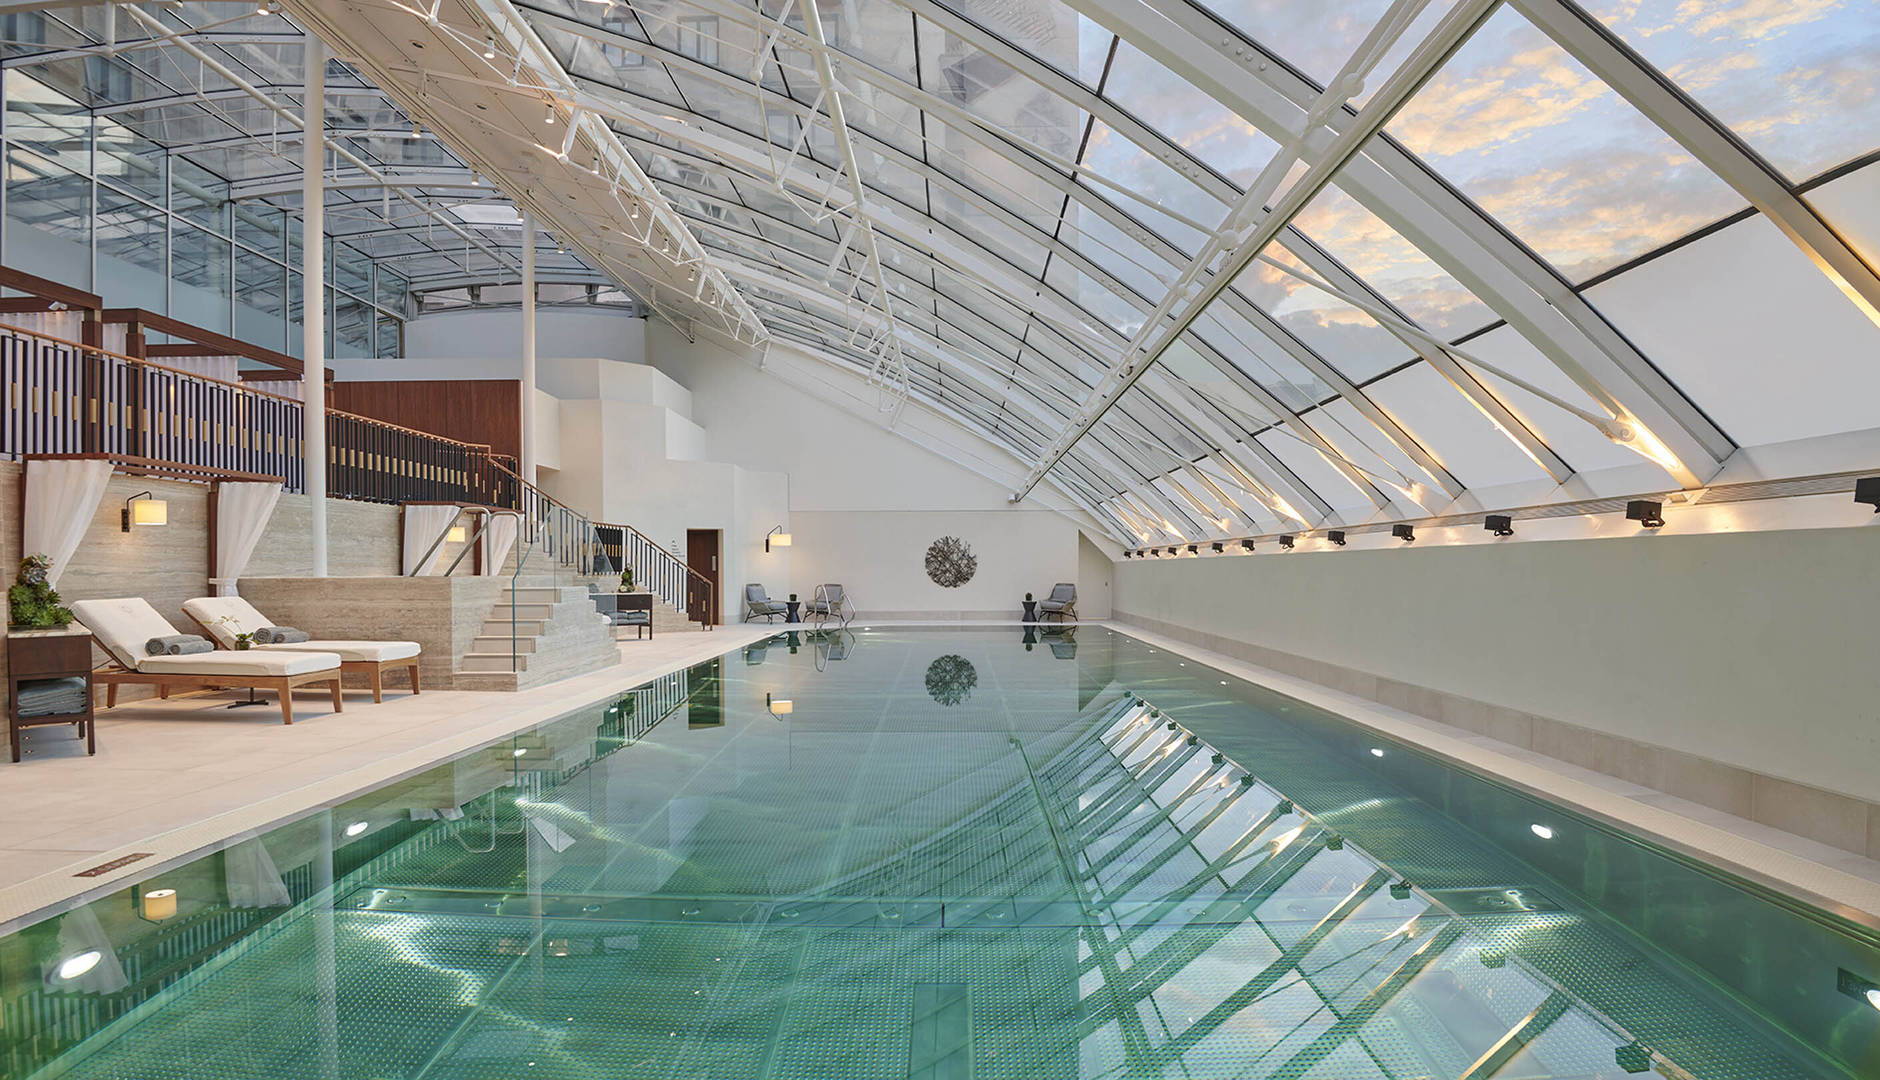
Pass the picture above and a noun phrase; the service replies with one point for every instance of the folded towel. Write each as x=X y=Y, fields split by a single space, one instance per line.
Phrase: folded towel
x=55 y=708
x=177 y=645
x=279 y=635
x=51 y=697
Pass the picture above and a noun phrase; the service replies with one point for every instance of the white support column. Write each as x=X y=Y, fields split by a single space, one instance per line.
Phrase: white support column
x=313 y=297
x=528 y=348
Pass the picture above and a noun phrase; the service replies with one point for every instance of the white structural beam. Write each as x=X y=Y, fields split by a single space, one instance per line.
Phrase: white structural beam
x=529 y=454
x=313 y=302
x=1453 y=232
x=1259 y=215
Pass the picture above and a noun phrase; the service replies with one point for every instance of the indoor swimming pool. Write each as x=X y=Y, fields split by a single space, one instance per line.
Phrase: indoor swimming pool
x=941 y=853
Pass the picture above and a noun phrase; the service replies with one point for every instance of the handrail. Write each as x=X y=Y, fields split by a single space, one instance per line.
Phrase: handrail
x=648 y=543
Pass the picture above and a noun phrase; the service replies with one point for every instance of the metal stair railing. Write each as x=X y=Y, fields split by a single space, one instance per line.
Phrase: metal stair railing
x=664 y=574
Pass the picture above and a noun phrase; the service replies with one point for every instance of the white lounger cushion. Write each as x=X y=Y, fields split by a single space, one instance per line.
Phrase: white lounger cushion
x=226 y=616
x=253 y=663
x=123 y=625
x=375 y=651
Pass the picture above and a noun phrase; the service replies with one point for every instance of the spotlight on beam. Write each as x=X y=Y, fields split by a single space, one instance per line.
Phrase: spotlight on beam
x=1646 y=512
x=1336 y=536
x=1194 y=549
x=1286 y=541
x=1246 y=545
x=1406 y=533
x=1499 y=524
x=1867 y=490
x=1218 y=547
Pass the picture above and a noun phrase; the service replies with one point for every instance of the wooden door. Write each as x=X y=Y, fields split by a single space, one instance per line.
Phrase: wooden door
x=701 y=554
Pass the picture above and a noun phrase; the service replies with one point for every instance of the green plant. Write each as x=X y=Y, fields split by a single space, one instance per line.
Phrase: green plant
x=32 y=601
x=626 y=579
x=244 y=639
x=1028 y=598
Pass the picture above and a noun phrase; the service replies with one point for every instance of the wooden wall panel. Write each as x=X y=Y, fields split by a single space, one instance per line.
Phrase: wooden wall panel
x=469 y=410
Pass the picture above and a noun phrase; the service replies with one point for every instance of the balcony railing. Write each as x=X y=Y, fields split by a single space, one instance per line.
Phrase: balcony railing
x=62 y=397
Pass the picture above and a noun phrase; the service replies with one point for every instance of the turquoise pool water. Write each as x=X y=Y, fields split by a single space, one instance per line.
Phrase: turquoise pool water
x=940 y=854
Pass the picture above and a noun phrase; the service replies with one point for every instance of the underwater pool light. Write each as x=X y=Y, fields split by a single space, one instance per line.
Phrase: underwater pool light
x=1541 y=831
x=1376 y=752
x=356 y=828
x=74 y=966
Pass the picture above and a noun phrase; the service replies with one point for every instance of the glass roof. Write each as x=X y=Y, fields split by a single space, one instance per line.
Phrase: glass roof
x=1515 y=254
x=397 y=196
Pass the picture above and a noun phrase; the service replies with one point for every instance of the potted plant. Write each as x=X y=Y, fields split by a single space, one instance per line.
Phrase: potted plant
x=244 y=639
x=626 y=579
x=32 y=603
x=793 y=598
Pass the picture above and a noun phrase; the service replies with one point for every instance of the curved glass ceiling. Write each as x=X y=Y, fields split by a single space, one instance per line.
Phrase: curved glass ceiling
x=1520 y=252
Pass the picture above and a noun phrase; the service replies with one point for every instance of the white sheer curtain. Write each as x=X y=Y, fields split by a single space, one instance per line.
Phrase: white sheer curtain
x=283 y=387
x=226 y=368
x=59 y=324
x=61 y=499
x=242 y=510
x=499 y=538
x=253 y=879
x=423 y=525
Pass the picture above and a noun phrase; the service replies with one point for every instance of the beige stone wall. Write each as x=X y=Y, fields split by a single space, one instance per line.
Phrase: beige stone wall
x=170 y=564
x=441 y=614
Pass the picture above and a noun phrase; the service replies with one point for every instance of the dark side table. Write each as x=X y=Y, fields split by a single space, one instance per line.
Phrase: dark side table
x=1031 y=610
x=795 y=607
x=49 y=654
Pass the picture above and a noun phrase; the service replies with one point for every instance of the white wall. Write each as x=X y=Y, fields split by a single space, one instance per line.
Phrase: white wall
x=559 y=332
x=864 y=502
x=1753 y=649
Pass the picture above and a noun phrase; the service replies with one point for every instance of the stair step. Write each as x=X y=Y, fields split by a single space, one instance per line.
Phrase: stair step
x=492 y=662
x=524 y=628
x=523 y=611
x=499 y=643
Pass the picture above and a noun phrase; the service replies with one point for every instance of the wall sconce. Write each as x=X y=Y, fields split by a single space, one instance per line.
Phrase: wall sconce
x=455 y=535
x=1336 y=536
x=1286 y=541
x=1867 y=490
x=1646 y=512
x=151 y=511
x=779 y=706
x=158 y=905
x=1499 y=524
x=1406 y=533
x=776 y=536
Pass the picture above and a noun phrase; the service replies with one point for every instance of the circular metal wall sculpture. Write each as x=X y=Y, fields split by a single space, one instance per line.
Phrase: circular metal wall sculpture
x=950 y=563
x=950 y=679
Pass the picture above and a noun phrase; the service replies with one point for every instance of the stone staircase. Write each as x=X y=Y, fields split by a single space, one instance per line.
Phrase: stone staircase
x=557 y=634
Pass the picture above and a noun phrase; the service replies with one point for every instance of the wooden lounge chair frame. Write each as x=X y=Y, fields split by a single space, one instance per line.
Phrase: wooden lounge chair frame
x=373 y=670
x=114 y=675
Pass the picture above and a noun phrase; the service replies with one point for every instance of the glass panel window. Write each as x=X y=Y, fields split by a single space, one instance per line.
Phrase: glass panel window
x=47 y=122
x=1350 y=340
x=698 y=38
x=392 y=291
x=260 y=299
x=1794 y=80
x=48 y=218
x=261 y=227
x=199 y=272
x=351 y=270
x=1199 y=124
x=1747 y=327
x=133 y=263
x=199 y=195
x=1556 y=155
x=1391 y=265
x=1315 y=36
x=390 y=337
x=127 y=160
x=353 y=326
